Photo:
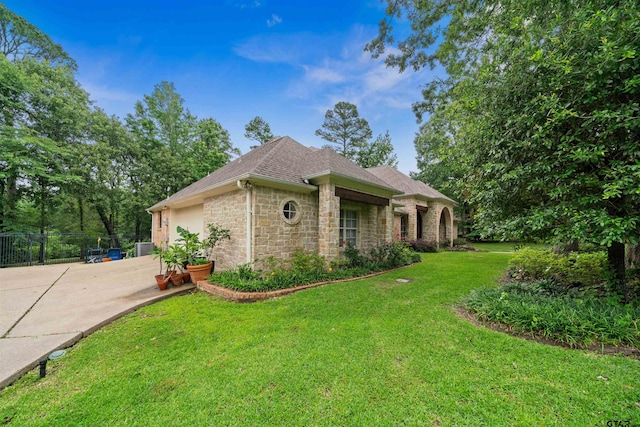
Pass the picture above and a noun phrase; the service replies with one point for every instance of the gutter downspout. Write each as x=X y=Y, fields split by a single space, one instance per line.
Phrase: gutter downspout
x=246 y=186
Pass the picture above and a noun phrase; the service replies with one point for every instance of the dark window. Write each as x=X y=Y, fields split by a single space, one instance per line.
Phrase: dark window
x=348 y=227
x=289 y=211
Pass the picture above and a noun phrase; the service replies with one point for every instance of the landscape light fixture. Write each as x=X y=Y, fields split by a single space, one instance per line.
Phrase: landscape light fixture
x=53 y=356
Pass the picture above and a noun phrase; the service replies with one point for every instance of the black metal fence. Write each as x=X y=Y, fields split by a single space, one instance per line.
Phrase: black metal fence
x=22 y=249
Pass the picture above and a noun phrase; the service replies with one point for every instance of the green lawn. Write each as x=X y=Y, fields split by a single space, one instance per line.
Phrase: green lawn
x=365 y=353
x=504 y=246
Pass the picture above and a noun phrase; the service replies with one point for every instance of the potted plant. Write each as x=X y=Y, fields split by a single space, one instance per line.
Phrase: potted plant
x=173 y=260
x=162 y=279
x=197 y=253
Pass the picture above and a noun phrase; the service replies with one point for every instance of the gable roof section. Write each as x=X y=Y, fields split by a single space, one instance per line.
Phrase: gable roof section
x=409 y=186
x=281 y=160
x=327 y=162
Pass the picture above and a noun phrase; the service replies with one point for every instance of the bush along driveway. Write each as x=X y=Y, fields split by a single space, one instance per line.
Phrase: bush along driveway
x=370 y=352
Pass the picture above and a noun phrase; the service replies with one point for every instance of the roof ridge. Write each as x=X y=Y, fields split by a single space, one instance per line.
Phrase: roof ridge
x=276 y=141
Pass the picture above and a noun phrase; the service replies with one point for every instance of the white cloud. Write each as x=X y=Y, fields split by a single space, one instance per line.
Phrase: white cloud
x=275 y=20
x=324 y=74
x=277 y=48
x=335 y=68
x=246 y=4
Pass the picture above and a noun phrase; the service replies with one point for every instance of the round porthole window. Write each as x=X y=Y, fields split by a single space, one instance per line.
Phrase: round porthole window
x=290 y=212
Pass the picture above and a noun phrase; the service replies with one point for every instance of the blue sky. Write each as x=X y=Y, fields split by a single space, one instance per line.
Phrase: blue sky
x=286 y=61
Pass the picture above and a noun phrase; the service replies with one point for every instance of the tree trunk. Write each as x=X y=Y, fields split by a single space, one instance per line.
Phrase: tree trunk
x=81 y=214
x=615 y=257
x=108 y=226
x=632 y=256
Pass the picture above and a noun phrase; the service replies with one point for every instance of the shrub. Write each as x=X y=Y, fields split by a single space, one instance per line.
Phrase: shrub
x=273 y=273
x=420 y=245
x=460 y=241
x=353 y=256
x=391 y=255
x=576 y=269
x=570 y=317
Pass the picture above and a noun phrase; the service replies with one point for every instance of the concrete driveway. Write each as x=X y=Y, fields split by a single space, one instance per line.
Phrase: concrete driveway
x=47 y=308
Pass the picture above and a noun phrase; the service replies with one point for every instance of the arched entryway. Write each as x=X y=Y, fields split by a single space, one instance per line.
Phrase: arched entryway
x=444 y=228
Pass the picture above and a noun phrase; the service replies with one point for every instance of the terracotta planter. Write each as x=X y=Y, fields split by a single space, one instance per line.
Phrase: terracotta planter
x=200 y=272
x=163 y=281
x=186 y=277
x=176 y=278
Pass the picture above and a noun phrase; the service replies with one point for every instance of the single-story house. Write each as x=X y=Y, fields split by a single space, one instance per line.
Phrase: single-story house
x=283 y=197
x=420 y=212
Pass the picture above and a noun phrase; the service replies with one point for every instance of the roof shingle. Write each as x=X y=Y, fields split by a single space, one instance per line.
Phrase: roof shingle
x=409 y=186
x=283 y=159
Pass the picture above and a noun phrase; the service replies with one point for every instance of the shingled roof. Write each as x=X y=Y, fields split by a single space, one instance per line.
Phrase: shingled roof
x=284 y=160
x=406 y=184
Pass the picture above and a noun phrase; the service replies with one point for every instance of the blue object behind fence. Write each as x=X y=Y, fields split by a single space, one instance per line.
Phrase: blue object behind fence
x=114 y=253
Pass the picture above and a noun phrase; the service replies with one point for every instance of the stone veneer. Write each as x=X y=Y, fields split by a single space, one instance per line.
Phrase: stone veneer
x=273 y=234
x=228 y=211
x=430 y=219
x=328 y=222
x=315 y=228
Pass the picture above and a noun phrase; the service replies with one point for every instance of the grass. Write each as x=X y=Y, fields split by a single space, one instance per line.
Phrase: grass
x=505 y=246
x=369 y=352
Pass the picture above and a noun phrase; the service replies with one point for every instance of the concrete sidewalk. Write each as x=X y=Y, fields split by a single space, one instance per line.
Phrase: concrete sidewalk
x=46 y=308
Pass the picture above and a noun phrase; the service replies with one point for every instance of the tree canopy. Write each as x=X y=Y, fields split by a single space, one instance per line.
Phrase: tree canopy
x=258 y=130
x=378 y=152
x=542 y=100
x=19 y=39
x=65 y=165
x=344 y=127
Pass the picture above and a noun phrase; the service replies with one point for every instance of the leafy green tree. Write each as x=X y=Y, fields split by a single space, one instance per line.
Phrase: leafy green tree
x=546 y=99
x=344 y=127
x=42 y=124
x=440 y=161
x=19 y=39
x=212 y=148
x=258 y=130
x=40 y=107
x=171 y=148
x=379 y=152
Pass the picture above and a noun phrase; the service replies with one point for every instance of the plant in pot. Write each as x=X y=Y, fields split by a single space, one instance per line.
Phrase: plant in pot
x=172 y=257
x=162 y=279
x=198 y=253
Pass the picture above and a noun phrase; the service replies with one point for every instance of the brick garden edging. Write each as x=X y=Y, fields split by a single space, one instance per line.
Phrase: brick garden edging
x=239 y=296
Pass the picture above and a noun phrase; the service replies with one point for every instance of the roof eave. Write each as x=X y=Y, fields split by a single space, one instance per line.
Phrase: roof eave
x=367 y=184
x=229 y=185
x=427 y=198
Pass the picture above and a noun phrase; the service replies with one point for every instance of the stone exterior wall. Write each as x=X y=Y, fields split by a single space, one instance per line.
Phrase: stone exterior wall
x=375 y=224
x=315 y=229
x=430 y=220
x=228 y=211
x=328 y=222
x=275 y=235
